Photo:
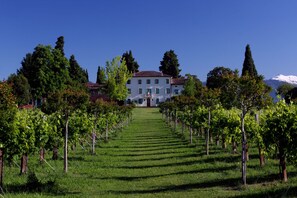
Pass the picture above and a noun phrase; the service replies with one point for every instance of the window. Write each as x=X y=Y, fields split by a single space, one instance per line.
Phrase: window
x=140 y=100
x=129 y=101
x=156 y=81
x=129 y=82
x=140 y=91
x=139 y=82
x=157 y=91
x=129 y=91
x=157 y=101
x=167 y=90
x=148 y=81
x=167 y=81
x=176 y=91
x=149 y=91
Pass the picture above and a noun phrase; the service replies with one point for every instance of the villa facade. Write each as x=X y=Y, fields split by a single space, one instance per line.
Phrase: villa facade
x=149 y=88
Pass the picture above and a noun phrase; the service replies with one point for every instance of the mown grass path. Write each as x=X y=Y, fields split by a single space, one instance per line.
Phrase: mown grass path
x=148 y=160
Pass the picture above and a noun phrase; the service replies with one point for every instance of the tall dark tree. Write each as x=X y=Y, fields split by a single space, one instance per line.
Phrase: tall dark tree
x=215 y=78
x=248 y=64
x=87 y=74
x=46 y=70
x=132 y=65
x=170 y=65
x=60 y=44
x=101 y=76
x=76 y=73
x=219 y=78
x=20 y=88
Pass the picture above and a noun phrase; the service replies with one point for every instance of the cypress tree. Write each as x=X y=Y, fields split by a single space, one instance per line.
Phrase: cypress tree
x=76 y=72
x=132 y=65
x=101 y=77
x=60 y=44
x=170 y=65
x=249 y=67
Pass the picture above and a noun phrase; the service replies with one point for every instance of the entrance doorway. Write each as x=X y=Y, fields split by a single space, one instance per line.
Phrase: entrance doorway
x=148 y=102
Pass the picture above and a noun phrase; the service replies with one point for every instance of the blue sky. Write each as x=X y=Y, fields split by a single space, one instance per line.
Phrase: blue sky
x=203 y=33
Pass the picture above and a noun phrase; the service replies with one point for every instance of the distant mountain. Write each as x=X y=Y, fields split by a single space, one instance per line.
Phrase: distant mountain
x=279 y=80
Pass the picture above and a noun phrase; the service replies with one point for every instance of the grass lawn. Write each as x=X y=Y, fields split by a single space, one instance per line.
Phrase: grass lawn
x=147 y=159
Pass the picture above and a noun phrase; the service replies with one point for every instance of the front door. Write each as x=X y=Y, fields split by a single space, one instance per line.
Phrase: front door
x=148 y=102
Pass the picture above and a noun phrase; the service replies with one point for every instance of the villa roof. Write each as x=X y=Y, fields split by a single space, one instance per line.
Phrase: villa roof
x=150 y=74
x=178 y=81
x=92 y=85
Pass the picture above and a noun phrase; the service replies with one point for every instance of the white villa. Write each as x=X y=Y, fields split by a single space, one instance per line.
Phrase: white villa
x=149 y=88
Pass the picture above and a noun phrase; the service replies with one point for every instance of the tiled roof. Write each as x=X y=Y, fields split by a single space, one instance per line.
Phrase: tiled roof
x=150 y=74
x=93 y=85
x=178 y=81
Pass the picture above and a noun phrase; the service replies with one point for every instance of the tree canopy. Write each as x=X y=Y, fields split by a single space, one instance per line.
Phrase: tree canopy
x=20 y=88
x=46 y=70
x=170 y=65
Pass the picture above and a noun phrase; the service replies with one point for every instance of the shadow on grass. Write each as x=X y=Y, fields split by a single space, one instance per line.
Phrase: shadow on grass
x=34 y=185
x=186 y=163
x=160 y=152
x=163 y=158
x=280 y=192
x=204 y=170
x=228 y=183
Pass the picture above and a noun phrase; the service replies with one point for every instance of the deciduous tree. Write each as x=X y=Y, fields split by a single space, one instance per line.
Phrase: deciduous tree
x=20 y=88
x=117 y=77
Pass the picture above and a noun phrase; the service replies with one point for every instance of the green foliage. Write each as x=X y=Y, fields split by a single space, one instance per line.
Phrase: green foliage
x=24 y=128
x=8 y=112
x=223 y=79
x=66 y=101
x=20 y=88
x=170 y=65
x=42 y=127
x=284 y=89
x=117 y=77
x=189 y=88
x=132 y=65
x=80 y=125
x=216 y=77
x=281 y=130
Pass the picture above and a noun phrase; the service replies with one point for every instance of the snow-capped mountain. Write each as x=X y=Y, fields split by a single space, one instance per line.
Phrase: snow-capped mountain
x=279 y=80
x=287 y=79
